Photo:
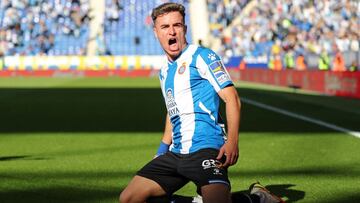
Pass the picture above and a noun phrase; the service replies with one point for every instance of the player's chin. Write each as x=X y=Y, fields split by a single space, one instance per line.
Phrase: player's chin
x=173 y=53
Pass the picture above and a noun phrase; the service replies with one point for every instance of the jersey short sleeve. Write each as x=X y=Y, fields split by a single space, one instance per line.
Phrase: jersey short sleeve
x=212 y=68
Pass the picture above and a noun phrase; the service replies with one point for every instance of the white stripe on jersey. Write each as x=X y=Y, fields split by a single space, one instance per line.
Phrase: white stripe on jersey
x=182 y=90
x=203 y=107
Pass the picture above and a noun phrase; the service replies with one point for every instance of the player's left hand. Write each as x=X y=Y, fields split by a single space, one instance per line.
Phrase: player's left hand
x=231 y=152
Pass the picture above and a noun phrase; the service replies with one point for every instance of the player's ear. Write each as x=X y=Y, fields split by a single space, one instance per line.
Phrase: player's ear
x=185 y=28
x=154 y=30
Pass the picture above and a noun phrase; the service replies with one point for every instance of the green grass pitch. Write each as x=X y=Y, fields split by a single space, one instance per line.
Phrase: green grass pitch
x=82 y=139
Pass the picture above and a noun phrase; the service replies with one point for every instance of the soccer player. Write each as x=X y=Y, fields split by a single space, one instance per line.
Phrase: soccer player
x=194 y=147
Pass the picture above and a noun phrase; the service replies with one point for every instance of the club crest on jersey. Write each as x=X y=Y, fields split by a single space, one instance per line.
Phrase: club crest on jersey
x=171 y=104
x=182 y=68
x=219 y=72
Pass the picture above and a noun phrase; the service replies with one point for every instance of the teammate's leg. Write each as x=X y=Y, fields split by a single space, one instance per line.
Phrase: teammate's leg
x=140 y=189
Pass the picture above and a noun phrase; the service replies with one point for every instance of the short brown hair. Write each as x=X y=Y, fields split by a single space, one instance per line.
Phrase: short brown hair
x=167 y=8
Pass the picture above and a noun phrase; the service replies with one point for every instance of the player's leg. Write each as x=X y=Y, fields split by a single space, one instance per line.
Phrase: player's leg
x=206 y=172
x=214 y=193
x=258 y=194
x=157 y=178
x=140 y=189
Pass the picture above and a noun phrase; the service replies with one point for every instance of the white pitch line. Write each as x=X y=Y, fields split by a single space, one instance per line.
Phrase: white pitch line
x=301 y=117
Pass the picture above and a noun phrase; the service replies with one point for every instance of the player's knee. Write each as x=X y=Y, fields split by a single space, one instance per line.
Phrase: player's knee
x=125 y=197
x=130 y=196
x=214 y=193
x=122 y=198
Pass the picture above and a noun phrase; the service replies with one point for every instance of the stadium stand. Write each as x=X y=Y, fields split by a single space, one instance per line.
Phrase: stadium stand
x=222 y=13
x=244 y=28
x=303 y=27
x=43 y=27
x=65 y=38
x=128 y=28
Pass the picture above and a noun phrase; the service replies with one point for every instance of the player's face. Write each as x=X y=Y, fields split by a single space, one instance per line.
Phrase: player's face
x=169 y=28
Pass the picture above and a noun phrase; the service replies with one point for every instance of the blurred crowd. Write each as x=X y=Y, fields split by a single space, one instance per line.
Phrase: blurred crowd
x=127 y=28
x=298 y=26
x=222 y=13
x=285 y=30
x=33 y=27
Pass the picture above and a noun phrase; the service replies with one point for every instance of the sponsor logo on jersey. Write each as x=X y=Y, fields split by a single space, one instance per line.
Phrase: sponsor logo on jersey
x=182 y=68
x=219 y=72
x=171 y=104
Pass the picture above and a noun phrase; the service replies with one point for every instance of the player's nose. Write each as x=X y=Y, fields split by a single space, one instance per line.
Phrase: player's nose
x=172 y=30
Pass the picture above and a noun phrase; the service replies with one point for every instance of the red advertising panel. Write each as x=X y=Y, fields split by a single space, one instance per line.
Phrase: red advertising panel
x=327 y=82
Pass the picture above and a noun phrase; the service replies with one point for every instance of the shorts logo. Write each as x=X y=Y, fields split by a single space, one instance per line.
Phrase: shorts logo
x=211 y=163
x=171 y=104
x=182 y=68
x=217 y=171
x=219 y=72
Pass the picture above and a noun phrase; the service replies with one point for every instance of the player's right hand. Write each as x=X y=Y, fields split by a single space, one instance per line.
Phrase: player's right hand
x=231 y=151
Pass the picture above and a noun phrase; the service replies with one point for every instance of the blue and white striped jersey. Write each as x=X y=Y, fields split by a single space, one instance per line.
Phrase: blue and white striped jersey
x=189 y=86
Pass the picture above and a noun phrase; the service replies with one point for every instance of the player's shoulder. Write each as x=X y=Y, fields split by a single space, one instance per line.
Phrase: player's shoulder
x=208 y=55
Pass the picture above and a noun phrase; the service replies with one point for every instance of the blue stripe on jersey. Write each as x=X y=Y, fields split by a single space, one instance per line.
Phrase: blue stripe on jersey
x=173 y=112
x=189 y=86
x=207 y=133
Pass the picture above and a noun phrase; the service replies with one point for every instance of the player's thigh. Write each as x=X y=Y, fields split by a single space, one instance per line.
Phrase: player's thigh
x=203 y=169
x=164 y=171
x=139 y=189
x=215 y=193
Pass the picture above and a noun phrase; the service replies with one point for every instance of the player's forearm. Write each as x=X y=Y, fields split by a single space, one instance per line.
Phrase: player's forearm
x=167 y=137
x=233 y=125
x=233 y=106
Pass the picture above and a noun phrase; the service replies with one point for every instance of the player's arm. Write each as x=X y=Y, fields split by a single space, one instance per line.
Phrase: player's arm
x=166 y=139
x=232 y=105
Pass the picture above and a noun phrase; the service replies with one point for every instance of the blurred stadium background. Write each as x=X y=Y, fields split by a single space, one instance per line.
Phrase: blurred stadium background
x=111 y=35
x=81 y=109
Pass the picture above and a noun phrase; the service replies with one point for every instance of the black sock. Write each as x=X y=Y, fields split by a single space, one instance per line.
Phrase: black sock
x=255 y=198
x=166 y=199
x=241 y=197
x=159 y=199
x=181 y=199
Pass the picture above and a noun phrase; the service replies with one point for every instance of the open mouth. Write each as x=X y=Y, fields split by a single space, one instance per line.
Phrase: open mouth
x=172 y=41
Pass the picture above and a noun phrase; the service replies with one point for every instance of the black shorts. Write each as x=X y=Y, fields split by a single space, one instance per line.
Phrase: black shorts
x=172 y=171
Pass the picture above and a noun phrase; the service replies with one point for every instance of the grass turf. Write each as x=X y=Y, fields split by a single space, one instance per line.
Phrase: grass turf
x=82 y=139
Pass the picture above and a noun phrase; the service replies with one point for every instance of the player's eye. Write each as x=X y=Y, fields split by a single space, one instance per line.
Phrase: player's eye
x=178 y=25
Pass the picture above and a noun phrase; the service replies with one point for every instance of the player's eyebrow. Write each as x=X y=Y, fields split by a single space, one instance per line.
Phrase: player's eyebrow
x=164 y=26
x=179 y=24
